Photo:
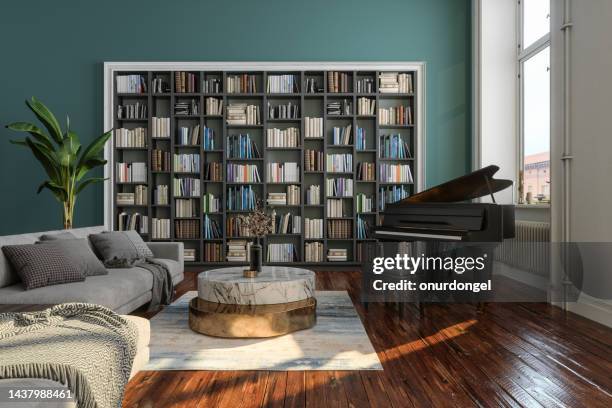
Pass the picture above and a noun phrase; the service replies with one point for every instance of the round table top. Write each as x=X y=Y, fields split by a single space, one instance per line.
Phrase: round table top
x=274 y=285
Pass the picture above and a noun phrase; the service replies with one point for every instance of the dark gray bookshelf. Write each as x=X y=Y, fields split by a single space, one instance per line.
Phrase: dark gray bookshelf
x=310 y=105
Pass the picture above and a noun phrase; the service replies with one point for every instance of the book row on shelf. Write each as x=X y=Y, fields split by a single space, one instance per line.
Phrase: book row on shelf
x=213 y=252
x=132 y=111
x=289 y=137
x=361 y=251
x=313 y=252
x=188 y=135
x=360 y=139
x=214 y=106
x=337 y=254
x=288 y=172
x=160 y=160
x=364 y=204
x=338 y=82
x=189 y=254
x=243 y=83
x=363 y=228
x=243 y=173
x=365 y=85
x=211 y=85
x=160 y=195
x=283 y=84
x=160 y=85
x=287 y=223
x=394 y=147
x=136 y=137
x=396 y=115
x=391 y=194
x=366 y=171
x=313 y=195
x=313 y=228
x=133 y=222
x=281 y=253
x=185 y=208
x=186 y=187
x=339 y=108
x=335 y=208
x=213 y=171
x=160 y=228
x=241 y=147
x=243 y=114
x=211 y=229
x=131 y=84
x=287 y=111
x=291 y=197
x=238 y=250
x=138 y=197
x=185 y=82
x=191 y=107
x=313 y=160
x=313 y=127
x=394 y=82
x=135 y=172
x=211 y=203
x=209 y=139
x=312 y=85
x=161 y=127
x=241 y=198
x=395 y=173
x=187 y=229
x=339 y=229
x=366 y=106
x=339 y=163
x=187 y=163
x=341 y=135
x=236 y=227
x=339 y=187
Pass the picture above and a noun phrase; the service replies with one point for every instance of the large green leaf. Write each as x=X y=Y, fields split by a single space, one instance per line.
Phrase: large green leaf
x=58 y=191
x=87 y=182
x=33 y=130
x=48 y=161
x=47 y=118
x=84 y=168
x=94 y=148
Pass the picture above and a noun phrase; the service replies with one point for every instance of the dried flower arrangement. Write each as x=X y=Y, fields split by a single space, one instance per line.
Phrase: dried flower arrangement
x=257 y=222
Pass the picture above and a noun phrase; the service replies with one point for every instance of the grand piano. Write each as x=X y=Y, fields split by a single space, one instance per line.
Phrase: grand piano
x=442 y=221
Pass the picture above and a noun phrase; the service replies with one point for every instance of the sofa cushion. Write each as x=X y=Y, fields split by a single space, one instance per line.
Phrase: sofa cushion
x=119 y=249
x=117 y=288
x=78 y=253
x=64 y=235
x=42 y=265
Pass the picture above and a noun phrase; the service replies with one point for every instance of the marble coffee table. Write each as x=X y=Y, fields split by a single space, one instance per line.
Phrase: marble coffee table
x=279 y=300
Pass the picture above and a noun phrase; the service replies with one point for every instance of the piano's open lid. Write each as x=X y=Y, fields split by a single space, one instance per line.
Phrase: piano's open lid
x=474 y=185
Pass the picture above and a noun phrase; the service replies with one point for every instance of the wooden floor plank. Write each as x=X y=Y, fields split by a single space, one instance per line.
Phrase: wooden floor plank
x=276 y=387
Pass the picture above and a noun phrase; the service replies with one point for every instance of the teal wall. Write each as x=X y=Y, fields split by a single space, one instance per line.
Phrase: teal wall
x=54 y=50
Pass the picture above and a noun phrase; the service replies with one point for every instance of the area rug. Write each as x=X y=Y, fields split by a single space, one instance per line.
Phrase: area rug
x=337 y=342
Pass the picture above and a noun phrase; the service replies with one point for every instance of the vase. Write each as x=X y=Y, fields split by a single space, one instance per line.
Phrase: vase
x=256 y=256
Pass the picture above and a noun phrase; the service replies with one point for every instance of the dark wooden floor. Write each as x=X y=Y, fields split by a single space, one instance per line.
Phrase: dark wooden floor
x=513 y=355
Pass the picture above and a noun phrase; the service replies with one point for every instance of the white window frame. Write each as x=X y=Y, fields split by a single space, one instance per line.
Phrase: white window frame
x=522 y=56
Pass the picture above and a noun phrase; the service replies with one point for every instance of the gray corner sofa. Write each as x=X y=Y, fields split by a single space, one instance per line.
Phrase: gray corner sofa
x=122 y=290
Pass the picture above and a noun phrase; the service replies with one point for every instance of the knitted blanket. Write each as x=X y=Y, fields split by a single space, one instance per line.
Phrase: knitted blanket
x=88 y=348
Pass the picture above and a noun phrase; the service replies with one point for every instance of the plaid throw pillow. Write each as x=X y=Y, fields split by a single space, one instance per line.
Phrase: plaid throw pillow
x=41 y=265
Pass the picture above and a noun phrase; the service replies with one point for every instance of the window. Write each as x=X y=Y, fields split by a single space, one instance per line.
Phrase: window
x=534 y=68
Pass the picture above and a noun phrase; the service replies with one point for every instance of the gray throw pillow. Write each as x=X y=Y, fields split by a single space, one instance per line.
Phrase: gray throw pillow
x=120 y=249
x=79 y=253
x=58 y=236
x=41 y=265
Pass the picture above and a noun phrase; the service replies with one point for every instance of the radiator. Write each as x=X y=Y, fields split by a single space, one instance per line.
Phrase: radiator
x=529 y=250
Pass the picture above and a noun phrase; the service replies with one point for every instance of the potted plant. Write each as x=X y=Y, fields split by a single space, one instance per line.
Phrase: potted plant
x=62 y=156
x=259 y=224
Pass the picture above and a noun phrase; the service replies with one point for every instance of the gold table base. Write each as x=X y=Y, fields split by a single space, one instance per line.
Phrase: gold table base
x=251 y=321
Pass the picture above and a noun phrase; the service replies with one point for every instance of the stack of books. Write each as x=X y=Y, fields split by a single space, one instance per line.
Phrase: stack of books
x=243 y=83
x=338 y=82
x=341 y=135
x=339 y=187
x=189 y=254
x=398 y=115
x=242 y=173
x=213 y=171
x=209 y=139
x=186 y=187
x=360 y=139
x=313 y=251
x=187 y=163
x=287 y=111
x=213 y=252
x=288 y=172
x=161 y=127
x=210 y=203
x=238 y=250
x=211 y=85
x=313 y=228
x=277 y=199
x=289 y=137
x=125 y=198
x=364 y=203
x=160 y=195
x=236 y=227
x=160 y=228
x=335 y=208
x=140 y=195
x=340 y=108
x=133 y=111
x=160 y=160
x=187 y=229
x=363 y=228
x=131 y=137
x=281 y=253
x=313 y=160
x=337 y=254
x=366 y=171
x=243 y=114
x=211 y=228
x=191 y=107
x=160 y=85
x=313 y=127
x=366 y=106
x=242 y=198
x=287 y=224
x=392 y=82
x=133 y=222
x=293 y=195
x=283 y=84
x=391 y=195
x=241 y=147
x=339 y=163
x=214 y=106
x=185 y=208
x=394 y=173
x=313 y=195
x=185 y=82
x=339 y=229
x=188 y=136
x=131 y=172
x=365 y=85
x=131 y=84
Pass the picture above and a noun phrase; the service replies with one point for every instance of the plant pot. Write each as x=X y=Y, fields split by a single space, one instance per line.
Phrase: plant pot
x=256 y=257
